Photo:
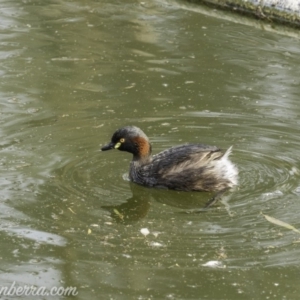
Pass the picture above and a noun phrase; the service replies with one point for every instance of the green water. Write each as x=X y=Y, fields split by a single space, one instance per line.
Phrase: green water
x=72 y=72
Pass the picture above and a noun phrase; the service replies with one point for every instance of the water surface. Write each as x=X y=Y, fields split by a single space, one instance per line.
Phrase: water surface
x=71 y=73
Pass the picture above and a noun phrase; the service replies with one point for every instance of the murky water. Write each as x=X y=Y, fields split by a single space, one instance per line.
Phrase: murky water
x=74 y=71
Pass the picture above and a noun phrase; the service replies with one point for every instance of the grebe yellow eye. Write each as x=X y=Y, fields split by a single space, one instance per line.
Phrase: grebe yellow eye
x=118 y=145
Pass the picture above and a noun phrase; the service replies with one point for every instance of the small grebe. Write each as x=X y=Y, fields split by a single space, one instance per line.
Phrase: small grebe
x=189 y=167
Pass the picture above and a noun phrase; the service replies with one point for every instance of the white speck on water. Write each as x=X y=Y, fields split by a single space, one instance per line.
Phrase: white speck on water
x=145 y=231
x=126 y=177
x=94 y=225
x=156 y=244
x=156 y=233
x=294 y=171
x=213 y=264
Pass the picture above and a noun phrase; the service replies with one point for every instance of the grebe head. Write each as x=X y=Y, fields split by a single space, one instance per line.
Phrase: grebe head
x=131 y=139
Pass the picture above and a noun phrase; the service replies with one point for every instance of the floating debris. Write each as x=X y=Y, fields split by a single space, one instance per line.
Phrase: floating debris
x=214 y=264
x=71 y=210
x=294 y=171
x=156 y=233
x=98 y=126
x=118 y=214
x=130 y=86
x=145 y=231
x=67 y=59
x=23 y=165
x=156 y=244
x=126 y=255
x=280 y=223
